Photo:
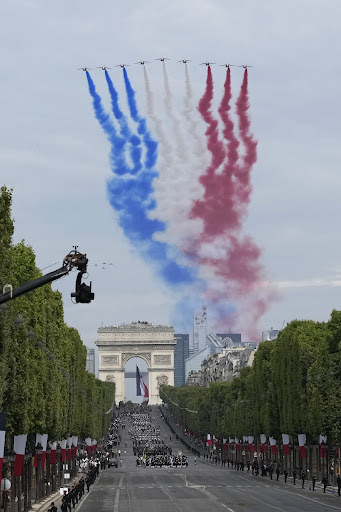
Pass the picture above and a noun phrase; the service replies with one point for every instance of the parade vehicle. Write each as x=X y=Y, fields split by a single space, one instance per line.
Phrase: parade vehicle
x=73 y=260
x=113 y=462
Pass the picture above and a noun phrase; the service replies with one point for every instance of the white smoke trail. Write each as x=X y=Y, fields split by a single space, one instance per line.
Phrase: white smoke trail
x=181 y=150
x=171 y=187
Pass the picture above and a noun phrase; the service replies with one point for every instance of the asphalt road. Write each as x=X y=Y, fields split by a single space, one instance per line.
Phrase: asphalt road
x=197 y=488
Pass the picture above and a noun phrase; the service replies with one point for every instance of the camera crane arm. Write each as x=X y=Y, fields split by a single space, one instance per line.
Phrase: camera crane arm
x=72 y=260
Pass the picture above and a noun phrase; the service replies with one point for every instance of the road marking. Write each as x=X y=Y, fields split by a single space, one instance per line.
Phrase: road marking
x=117 y=496
x=321 y=503
x=169 y=496
x=205 y=491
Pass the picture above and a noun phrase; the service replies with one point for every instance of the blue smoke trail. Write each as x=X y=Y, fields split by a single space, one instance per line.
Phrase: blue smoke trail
x=134 y=141
x=151 y=144
x=132 y=195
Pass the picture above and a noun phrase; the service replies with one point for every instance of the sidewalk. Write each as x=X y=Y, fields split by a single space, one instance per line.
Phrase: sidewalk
x=44 y=505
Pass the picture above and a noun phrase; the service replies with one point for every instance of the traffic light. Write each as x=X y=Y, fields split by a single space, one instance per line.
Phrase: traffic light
x=83 y=293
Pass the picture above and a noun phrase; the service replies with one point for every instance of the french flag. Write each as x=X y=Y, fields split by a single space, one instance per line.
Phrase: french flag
x=286 y=447
x=273 y=444
x=19 y=448
x=88 y=445
x=302 y=438
x=53 y=448
x=42 y=440
x=75 y=444
x=94 y=445
x=2 y=440
x=208 y=442
x=141 y=388
x=63 y=448
x=69 y=444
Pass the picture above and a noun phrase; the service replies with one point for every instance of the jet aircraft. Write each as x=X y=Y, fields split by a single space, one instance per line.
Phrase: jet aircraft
x=162 y=59
x=228 y=65
x=245 y=66
x=142 y=62
x=83 y=69
x=103 y=67
x=206 y=63
x=184 y=61
x=121 y=65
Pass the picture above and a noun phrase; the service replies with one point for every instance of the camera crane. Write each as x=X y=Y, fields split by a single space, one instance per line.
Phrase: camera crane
x=73 y=260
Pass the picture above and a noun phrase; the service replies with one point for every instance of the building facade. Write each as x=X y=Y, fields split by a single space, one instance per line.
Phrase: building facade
x=90 y=360
x=153 y=343
x=181 y=353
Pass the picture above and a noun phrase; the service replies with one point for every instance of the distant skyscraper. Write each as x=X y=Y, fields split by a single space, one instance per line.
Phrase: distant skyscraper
x=181 y=352
x=270 y=335
x=200 y=330
x=90 y=360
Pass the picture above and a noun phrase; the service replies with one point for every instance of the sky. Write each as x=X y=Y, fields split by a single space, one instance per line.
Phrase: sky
x=55 y=156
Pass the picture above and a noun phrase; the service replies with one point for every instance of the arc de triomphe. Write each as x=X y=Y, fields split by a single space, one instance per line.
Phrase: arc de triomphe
x=153 y=343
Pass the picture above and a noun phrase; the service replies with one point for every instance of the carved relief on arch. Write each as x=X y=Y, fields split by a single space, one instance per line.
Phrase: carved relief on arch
x=128 y=355
x=162 y=379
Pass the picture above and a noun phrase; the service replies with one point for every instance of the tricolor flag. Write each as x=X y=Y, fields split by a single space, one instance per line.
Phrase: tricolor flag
x=88 y=445
x=323 y=446
x=301 y=441
x=141 y=388
x=19 y=448
x=75 y=443
x=94 y=445
x=224 y=442
x=53 y=448
x=42 y=440
x=69 y=444
x=273 y=444
x=63 y=448
x=250 y=441
x=208 y=442
x=263 y=443
x=231 y=441
x=2 y=440
x=286 y=447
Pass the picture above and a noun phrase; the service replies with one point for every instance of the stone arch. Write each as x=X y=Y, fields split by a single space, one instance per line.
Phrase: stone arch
x=154 y=344
x=129 y=355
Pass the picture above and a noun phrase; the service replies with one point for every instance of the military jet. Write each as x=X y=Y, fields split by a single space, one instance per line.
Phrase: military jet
x=142 y=62
x=184 y=61
x=122 y=65
x=245 y=66
x=103 y=67
x=83 y=69
x=228 y=65
x=162 y=59
x=206 y=63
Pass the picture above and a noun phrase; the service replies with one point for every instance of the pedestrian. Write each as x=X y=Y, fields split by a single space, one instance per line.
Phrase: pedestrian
x=324 y=481
x=195 y=461
x=303 y=479
x=285 y=476
x=270 y=471
x=294 y=476
x=314 y=482
x=121 y=463
x=277 y=473
x=338 y=481
x=87 y=481
x=53 y=507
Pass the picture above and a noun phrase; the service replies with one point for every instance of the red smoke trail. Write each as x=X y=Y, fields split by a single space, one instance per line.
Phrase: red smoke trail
x=243 y=176
x=203 y=209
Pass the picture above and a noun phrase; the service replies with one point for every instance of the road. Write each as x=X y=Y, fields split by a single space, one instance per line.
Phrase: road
x=197 y=488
